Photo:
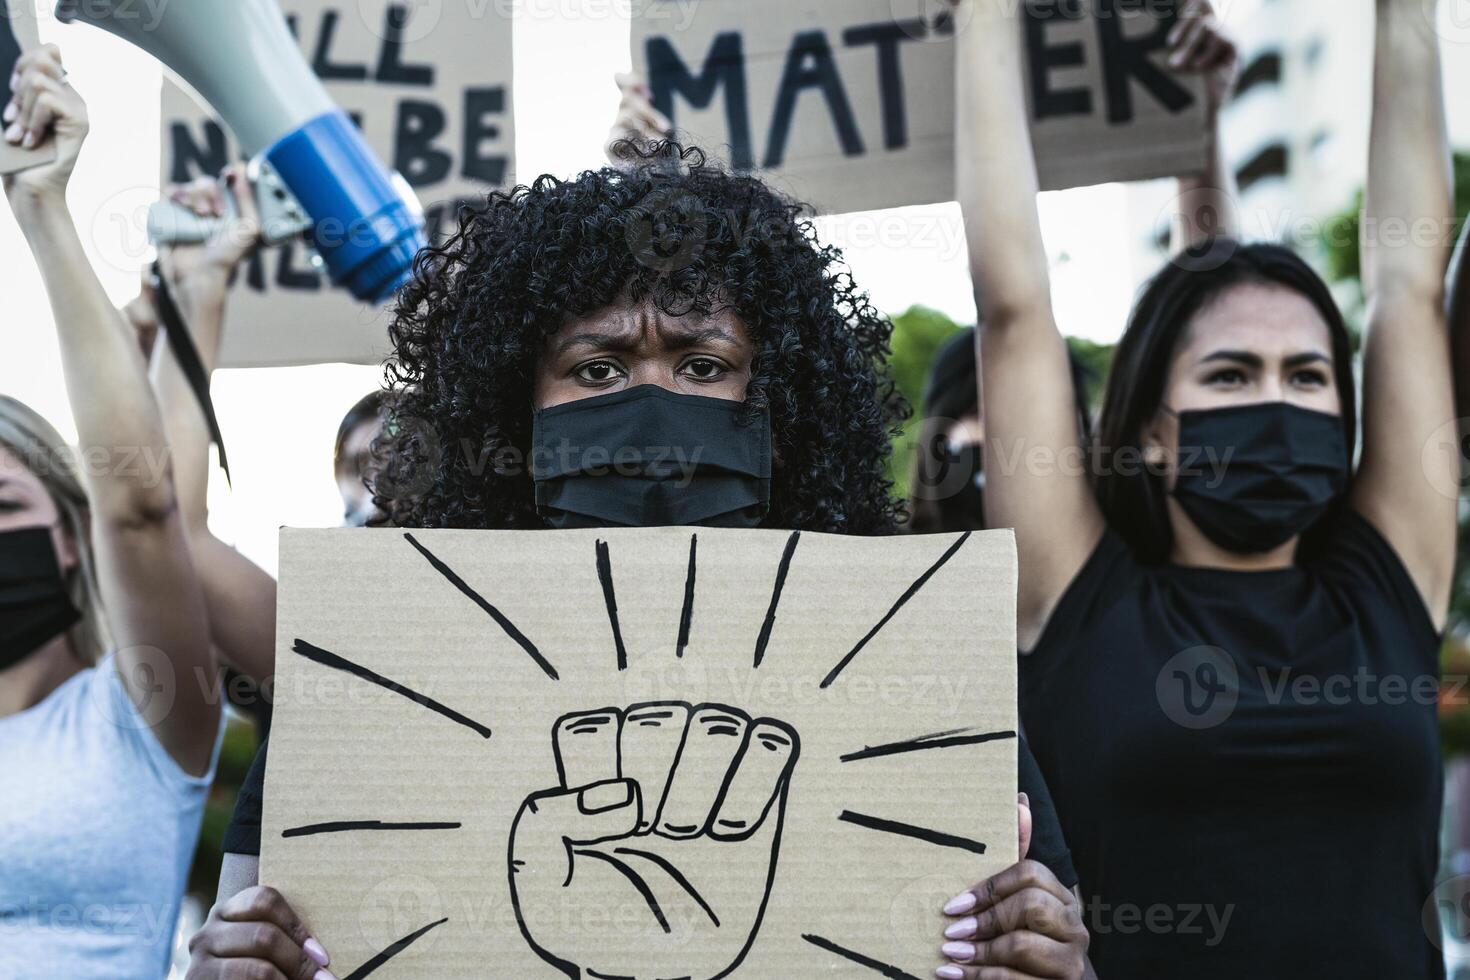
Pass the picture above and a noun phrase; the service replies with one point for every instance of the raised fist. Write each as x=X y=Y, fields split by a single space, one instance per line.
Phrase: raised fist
x=654 y=855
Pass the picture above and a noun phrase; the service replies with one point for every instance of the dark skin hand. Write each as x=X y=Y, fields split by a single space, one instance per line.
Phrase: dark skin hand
x=1020 y=924
x=256 y=934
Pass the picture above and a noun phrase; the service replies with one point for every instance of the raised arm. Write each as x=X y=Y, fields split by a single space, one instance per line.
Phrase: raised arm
x=154 y=606
x=240 y=596
x=1410 y=462
x=1026 y=379
x=1207 y=207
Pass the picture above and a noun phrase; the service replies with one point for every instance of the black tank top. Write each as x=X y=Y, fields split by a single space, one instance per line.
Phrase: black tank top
x=1246 y=765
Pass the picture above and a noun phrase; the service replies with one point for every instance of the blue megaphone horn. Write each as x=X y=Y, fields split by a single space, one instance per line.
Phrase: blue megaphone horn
x=313 y=171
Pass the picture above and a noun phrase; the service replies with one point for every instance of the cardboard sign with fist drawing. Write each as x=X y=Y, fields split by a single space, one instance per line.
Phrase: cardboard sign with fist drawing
x=644 y=754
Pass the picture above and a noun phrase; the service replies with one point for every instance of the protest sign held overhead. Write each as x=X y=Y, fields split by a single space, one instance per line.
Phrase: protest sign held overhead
x=430 y=87
x=850 y=104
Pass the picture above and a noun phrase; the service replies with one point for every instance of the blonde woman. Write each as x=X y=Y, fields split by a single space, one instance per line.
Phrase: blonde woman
x=109 y=707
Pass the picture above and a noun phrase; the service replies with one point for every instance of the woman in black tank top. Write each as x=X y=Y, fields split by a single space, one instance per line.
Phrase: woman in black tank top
x=1231 y=632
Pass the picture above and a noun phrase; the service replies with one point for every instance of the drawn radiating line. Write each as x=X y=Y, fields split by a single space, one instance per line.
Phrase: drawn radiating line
x=927 y=834
x=342 y=826
x=605 y=574
x=686 y=619
x=877 y=966
x=328 y=659
x=500 y=618
x=392 y=951
x=770 y=621
x=938 y=740
x=677 y=875
x=908 y=594
x=638 y=883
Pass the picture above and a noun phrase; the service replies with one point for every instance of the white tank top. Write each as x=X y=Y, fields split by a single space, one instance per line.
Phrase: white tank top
x=97 y=830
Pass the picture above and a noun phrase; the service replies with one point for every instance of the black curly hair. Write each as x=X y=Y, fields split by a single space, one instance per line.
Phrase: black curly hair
x=672 y=229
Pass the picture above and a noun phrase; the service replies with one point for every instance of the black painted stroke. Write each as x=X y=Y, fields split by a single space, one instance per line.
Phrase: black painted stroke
x=926 y=834
x=609 y=596
x=770 y=622
x=908 y=594
x=479 y=600
x=678 y=877
x=686 y=619
x=877 y=966
x=392 y=951
x=328 y=659
x=638 y=883
x=938 y=740
x=342 y=826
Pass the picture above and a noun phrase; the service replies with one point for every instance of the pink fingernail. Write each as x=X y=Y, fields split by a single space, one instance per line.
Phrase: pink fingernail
x=13 y=133
x=316 y=952
x=958 y=951
x=323 y=975
x=960 y=904
x=963 y=929
x=950 y=973
x=32 y=138
x=11 y=111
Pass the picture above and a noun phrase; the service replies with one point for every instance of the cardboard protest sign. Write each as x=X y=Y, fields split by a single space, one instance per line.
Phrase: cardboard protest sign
x=18 y=34
x=849 y=104
x=639 y=753
x=430 y=85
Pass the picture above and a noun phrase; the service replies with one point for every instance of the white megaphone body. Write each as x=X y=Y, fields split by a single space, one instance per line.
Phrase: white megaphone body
x=240 y=57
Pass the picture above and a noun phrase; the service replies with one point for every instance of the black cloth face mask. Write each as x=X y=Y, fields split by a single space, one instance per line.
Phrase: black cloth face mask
x=34 y=605
x=648 y=457
x=1253 y=477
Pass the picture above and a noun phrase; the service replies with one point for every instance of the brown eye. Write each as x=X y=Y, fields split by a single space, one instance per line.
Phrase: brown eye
x=704 y=369
x=1227 y=376
x=1311 y=379
x=598 y=373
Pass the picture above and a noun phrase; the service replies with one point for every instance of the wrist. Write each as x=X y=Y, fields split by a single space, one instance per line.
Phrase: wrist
x=33 y=206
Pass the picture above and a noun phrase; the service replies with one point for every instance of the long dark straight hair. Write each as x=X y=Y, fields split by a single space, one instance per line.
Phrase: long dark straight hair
x=1133 y=495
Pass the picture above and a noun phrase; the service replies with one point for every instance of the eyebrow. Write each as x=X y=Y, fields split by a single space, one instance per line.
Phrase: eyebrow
x=1256 y=361
x=629 y=339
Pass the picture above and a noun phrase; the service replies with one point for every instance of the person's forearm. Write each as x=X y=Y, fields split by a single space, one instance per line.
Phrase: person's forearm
x=119 y=429
x=995 y=167
x=201 y=303
x=1409 y=203
x=1207 y=201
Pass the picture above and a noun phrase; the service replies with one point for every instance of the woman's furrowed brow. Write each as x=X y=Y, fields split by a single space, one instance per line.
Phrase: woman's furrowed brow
x=598 y=341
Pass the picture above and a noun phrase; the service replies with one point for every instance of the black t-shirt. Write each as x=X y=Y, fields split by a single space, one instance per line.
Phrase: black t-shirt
x=1301 y=798
x=1047 y=844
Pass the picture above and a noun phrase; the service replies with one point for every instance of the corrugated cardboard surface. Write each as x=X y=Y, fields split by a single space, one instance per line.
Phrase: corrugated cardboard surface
x=345 y=749
x=1071 y=151
x=468 y=46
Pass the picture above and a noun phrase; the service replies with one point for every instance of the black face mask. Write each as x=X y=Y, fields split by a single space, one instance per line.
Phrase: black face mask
x=1254 y=477
x=647 y=457
x=34 y=605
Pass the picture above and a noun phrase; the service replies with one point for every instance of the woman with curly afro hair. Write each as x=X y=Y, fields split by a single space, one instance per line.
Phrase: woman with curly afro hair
x=670 y=272
x=662 y=304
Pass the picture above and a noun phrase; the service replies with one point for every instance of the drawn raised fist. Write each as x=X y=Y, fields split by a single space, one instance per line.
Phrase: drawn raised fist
x=654 y=856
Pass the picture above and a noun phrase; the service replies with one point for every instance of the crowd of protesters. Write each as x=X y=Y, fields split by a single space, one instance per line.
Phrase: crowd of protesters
x=1320 y=544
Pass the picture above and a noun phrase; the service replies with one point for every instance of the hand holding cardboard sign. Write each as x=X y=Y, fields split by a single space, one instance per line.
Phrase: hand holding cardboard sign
x=655 y=855
x=43 y=102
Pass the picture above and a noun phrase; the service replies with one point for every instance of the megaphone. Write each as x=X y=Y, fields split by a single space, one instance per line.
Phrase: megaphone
x=240 y=57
